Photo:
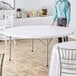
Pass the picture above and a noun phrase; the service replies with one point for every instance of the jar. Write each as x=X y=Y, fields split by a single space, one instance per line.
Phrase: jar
x=24 y=14
x=44 y=10
x=29 y=14
x=19 y=13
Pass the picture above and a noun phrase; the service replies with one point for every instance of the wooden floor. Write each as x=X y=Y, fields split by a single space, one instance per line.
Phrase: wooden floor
x=24 y=61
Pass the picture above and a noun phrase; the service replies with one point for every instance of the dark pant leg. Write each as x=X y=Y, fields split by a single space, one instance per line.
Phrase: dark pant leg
x=65 y=38
x=59 y=39
x=62 y=22
x=64 y=25
x=58 y=24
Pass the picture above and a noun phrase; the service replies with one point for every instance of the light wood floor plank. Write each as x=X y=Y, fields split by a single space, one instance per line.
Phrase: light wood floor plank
x=24 y=61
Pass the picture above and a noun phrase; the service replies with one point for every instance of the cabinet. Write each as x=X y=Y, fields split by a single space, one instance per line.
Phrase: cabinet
x=33 y=21
x=30 y=21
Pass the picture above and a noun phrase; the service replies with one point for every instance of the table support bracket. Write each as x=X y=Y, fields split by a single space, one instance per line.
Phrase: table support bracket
x=46 y=44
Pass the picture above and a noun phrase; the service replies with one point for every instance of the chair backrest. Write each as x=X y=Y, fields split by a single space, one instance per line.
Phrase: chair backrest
x=9 y=18
x=67 y=61
x=1 y=63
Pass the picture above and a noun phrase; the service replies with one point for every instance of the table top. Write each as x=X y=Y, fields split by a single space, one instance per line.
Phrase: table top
x=55 y=61
x=38 y=31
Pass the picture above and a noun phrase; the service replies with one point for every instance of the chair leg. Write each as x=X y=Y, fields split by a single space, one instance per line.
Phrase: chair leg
x=1 y=63
x=14 y=41
x=6 y=43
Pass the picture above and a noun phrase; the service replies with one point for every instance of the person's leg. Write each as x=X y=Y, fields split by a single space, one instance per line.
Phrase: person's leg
x=63 y=23
x=59 y=39
x=58 y=24
x=65 y=38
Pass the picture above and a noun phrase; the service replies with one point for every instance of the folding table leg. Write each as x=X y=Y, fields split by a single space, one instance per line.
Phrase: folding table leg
x=46 y=45
x=10 y=48
x=47 y=50
x=32 y=44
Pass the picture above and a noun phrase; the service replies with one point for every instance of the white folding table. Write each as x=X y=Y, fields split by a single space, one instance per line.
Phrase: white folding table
x=37 y=32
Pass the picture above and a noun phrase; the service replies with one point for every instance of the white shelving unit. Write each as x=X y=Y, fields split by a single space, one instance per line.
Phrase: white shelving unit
x=30 y=21
x=6 y=22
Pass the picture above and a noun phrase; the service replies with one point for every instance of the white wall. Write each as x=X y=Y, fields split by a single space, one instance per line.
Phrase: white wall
x=31 y=5
x=34 y=4
x=73 y=16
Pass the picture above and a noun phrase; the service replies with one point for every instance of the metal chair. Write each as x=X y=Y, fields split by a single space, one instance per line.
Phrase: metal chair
x=1 y=63
x=9 y=20
x=67 y=61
